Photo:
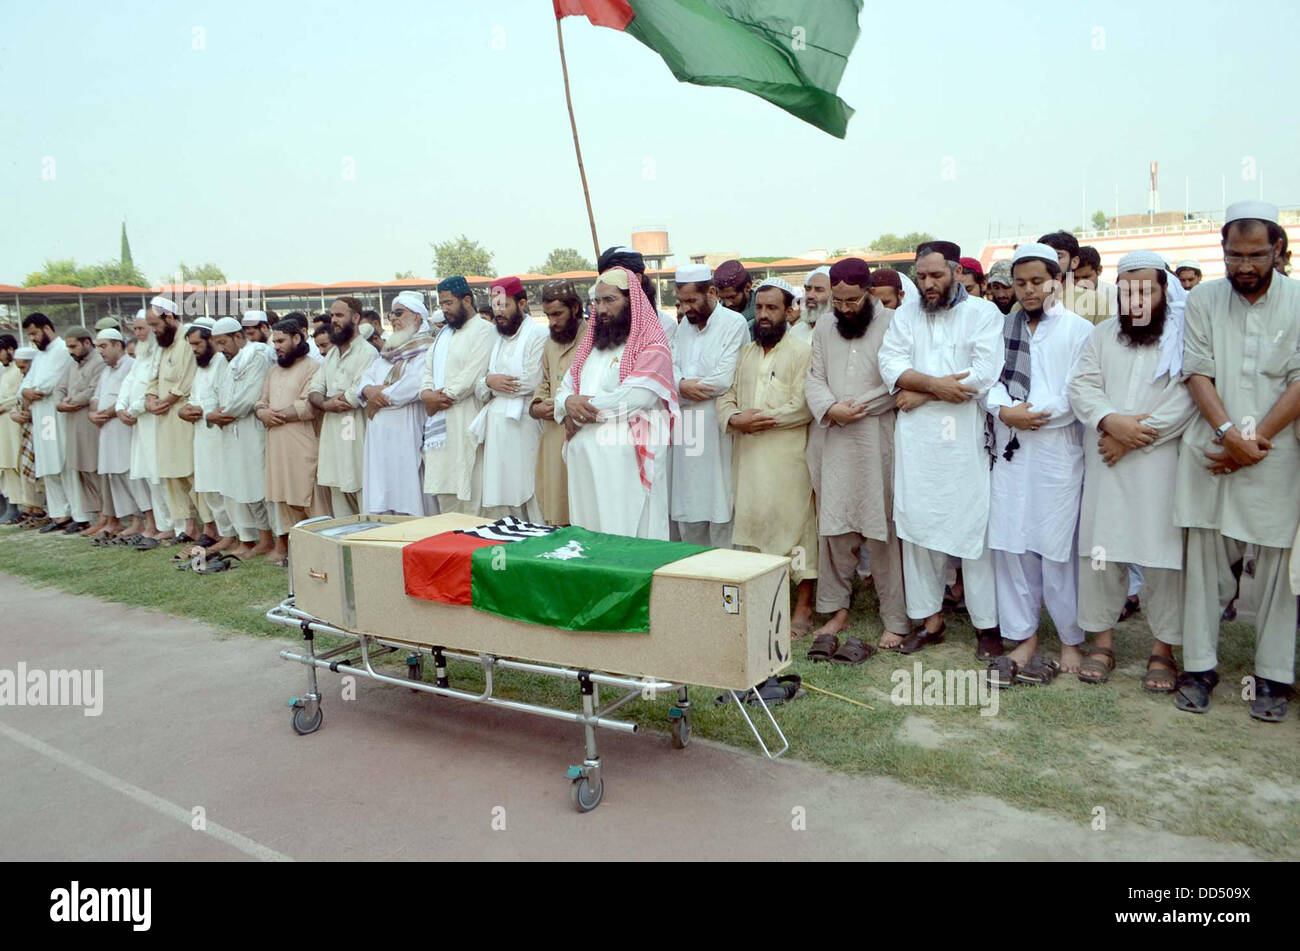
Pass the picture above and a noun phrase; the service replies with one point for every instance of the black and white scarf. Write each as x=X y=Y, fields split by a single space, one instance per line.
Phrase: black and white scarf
x=1015 y=377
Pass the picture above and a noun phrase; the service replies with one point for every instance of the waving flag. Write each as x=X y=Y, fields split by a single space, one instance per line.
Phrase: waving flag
x=790 y=52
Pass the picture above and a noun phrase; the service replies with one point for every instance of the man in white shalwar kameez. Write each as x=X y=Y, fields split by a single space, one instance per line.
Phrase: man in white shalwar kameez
x=209 y=441
x=618 y=403
x=941 y=354
x=1037 y=472
x=343 y=424
x=511 y=437
x=49 y=427
x=453 y=458
x=143 y=426
x=705 y=350
x=1128 y=393
x=123 y=496
x=243 y=435
x=389 y=392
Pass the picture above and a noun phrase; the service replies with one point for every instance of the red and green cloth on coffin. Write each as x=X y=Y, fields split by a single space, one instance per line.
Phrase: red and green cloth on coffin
x=568 y=578
x=790 y=52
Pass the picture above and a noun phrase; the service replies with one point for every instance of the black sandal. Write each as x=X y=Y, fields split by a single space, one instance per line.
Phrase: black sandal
x=1195 y=690
x=921 y=639
x=1002 y=672
x=1269 y=705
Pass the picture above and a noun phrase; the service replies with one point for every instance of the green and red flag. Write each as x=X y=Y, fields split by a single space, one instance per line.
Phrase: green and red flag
x=568 y=578
x=790 y=52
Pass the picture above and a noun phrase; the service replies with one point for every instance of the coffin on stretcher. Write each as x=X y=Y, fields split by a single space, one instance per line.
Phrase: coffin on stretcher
x=719 y=618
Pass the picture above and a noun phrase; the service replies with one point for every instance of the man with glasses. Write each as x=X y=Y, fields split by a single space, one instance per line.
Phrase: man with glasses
x=941 y=357
x=1238 y=464
x=851 y=462
x=453 y=458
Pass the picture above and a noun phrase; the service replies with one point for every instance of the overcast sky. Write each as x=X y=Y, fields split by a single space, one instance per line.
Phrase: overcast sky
x=311 y=142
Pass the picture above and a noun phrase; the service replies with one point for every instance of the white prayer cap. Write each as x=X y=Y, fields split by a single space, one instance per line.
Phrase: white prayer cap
x=254 y=317
x=777 y=282
x=141 y=314
x=165 y=304
x=108 y=333
x=226 y=325
x=413 y=300
x=25 y=353
x=1190 y=262
x=1249 y=209
x=824 y=269
x=693 y=274
x=204 y=322
x=614 y=277
x=367 y=330
x=1139 y=260
x=1034 y=250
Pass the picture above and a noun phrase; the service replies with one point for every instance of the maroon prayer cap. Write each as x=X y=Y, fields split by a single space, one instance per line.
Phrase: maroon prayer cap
x=851 y=271
x=512 y=286
x=730 y=274
x=886 y=277
x=971 y=266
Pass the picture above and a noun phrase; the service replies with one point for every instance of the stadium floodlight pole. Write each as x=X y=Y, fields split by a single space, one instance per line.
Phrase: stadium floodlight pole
x=573 y=123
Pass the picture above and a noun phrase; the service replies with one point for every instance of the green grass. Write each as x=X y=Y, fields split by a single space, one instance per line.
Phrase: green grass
x=1064 y=749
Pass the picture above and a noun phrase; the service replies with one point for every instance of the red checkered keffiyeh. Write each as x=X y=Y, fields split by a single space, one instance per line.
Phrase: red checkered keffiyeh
x=646 y=362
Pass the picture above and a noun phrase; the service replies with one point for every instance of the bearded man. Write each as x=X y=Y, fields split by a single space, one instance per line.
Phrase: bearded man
x=453 y=459
x=1127 y=391
x=564 y=316
x=619 y=406
x=343 y=424
x=389 y=393
x=941 y=356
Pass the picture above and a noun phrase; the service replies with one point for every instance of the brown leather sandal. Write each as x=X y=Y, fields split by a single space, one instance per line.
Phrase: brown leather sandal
x=1162 y=678
x=1096 y=671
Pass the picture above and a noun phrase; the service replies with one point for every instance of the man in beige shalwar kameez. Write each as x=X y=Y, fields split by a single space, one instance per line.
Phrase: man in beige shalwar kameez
x=1237 y=470
x=563 y=309
x=164 y=396
x=766 y=413
x=343 y=423
x=453 y=456
x=72 y=398
x=851 y=461
x=1127 y=391
x=292 y=436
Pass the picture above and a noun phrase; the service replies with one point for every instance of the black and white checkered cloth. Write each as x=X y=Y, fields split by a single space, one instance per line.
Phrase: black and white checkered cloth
x=508 y=529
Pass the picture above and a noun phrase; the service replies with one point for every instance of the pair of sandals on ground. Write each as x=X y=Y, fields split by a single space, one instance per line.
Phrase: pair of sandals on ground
x=199 y=557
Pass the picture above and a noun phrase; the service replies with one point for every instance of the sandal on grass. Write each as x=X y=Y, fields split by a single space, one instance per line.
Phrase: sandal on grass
x=921 y=639
x=1194 y=690
x=1161 y=675
x=823 y=646
x=853 y=651
x=1038 y=671
x=1093 y=671
x=1002 y=672
x=1269 y=705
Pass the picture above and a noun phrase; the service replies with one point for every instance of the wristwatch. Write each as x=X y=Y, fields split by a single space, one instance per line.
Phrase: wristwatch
x=1222 y=431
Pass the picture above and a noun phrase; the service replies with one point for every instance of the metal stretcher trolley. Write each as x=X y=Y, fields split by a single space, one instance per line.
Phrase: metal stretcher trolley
x=719 y=618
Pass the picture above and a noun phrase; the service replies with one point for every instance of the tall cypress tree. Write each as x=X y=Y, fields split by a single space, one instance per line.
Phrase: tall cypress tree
x=127 y=264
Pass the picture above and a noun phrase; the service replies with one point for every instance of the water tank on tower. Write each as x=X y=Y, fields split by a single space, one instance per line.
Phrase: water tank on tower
x=653 y=245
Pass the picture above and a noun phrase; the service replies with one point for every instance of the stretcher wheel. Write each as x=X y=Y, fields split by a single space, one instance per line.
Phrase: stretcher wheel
x=303 y=724
x=585 y=796
x=681 y=732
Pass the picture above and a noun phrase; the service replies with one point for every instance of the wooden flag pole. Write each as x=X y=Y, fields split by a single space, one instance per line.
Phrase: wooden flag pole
x=573 y=123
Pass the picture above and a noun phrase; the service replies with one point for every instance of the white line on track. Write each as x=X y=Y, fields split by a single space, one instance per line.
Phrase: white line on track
x=144 y=797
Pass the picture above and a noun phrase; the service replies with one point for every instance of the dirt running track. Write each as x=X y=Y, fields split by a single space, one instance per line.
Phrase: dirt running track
x=194 y=717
